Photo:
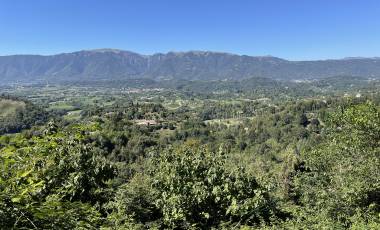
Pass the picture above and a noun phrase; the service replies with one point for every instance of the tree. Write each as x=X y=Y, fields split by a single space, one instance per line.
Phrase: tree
x=194 y=187
x=302 y=120
x=57 y=180
x=342 y=181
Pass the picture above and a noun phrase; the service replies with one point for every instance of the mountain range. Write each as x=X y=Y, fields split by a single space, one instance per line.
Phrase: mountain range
x=112 y=64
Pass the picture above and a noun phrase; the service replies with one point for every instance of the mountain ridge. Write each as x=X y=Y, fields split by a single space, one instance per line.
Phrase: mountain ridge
x=119 y=64
x=115 y=50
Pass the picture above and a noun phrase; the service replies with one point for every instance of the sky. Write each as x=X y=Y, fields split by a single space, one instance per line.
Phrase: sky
x=290 y=29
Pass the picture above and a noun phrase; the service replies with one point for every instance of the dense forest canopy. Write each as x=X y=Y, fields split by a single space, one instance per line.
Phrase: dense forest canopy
x=252 y=154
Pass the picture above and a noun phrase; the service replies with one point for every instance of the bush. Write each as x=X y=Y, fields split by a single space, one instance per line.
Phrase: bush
x=195 y=188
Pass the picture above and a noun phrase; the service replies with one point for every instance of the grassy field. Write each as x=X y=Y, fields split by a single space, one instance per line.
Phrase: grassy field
x=228 y=122
x=73 y=115
x=9 y=107
x=61 y=106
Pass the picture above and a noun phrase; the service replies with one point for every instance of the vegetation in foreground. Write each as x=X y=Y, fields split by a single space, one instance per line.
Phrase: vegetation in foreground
x=206 y=162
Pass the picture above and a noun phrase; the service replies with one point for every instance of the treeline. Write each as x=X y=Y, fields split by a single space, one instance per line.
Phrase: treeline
x=23 y=117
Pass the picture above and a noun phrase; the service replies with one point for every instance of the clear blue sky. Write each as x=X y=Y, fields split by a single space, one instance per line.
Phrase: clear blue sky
x=292 y=29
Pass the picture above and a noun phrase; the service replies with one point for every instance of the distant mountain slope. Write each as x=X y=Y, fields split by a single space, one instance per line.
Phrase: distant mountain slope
x=194 y=65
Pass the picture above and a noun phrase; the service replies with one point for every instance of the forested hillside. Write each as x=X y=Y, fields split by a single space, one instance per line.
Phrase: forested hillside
x=110 y=158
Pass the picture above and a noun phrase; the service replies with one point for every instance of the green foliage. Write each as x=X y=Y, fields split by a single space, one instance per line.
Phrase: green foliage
x=195 y=189
x=342 y=182
x=57 y=179
x=285 y=163
x=134 y=205
x=17 y=114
